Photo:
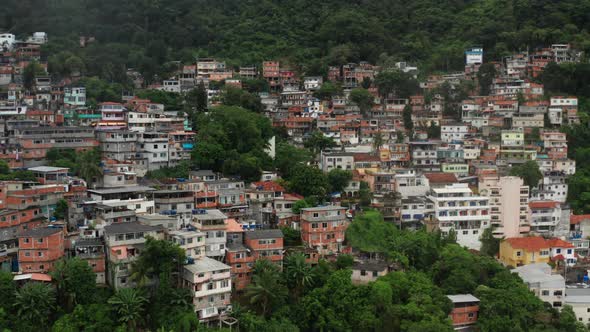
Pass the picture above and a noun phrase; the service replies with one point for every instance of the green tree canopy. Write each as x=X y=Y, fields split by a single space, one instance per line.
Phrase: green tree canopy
x=529 y=172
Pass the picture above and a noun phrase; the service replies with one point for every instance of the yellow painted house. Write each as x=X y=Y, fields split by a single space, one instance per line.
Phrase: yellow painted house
x=528 y=250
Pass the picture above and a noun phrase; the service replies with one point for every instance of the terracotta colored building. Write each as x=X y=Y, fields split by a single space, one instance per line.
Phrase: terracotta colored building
x=258 y=244
x=465 y=310
x=40 y=248
x=323 y=228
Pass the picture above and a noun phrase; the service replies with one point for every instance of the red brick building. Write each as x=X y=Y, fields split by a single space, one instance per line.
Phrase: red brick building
x=40 y=248
x=465 y=310
x=258 y=244
x=323 y=228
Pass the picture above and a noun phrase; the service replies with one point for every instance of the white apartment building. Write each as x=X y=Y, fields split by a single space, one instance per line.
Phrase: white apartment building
x=414 y=210
x=509 y=205
x=340 y=160
x=543 y=283
x=457 y=208
x=213 y=224
x=154 y=149
x=553 y=187
x=410 y=183
x=210 y=284
x=191 y=241
x=545 y=217
x=454 y=132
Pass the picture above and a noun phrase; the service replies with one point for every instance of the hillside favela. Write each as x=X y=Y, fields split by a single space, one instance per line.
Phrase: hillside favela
x=270 y=166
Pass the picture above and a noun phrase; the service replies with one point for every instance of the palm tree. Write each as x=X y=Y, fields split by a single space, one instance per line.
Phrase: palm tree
x=35 y=303
x=129 y=305
x=298 y=272
x=89 y=165
x=377 y=142
x=266 y=291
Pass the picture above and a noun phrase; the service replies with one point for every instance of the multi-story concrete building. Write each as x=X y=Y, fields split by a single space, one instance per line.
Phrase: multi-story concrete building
x=34 y=142
x=457 y=208
x=414 y=210
x=323 y=228
x=124 y=243
x=424 y=155
x=92 y=251
x=118 y=145
x=153 y=149
x=546 y=285
x=257 y=244
x=553 y=187
x=179 y=203
x=75 y=96
x=337 y=160
x=191 y=240
x=213 y=224
x=454 y=132
x=509 y=205
x=546 y=218
x=209 y=282
x=40 y=248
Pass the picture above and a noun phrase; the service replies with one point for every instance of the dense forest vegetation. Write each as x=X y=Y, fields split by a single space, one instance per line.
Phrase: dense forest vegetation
x=308 y=35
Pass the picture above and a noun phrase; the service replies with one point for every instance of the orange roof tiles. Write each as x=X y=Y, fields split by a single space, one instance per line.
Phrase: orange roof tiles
x=576 y=219
x=441 y=177
x=233 y=226
x=535 y=243
x=543 y=205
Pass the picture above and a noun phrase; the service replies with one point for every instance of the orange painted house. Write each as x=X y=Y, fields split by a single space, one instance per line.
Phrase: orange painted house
x=323 y=228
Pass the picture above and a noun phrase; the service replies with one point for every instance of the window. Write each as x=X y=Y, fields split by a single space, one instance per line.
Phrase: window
x=314 y=225
x=557 y=293
x=544 y=252
x=363 y=272
x=557 y=304
x=40 y=240
x=324 y=225
x=40 y=254
x=470 y=315
x=569 y=251
x=558 y=251
x=545 y=293
x=27 y=254
x=518 y=254
x=26 y=240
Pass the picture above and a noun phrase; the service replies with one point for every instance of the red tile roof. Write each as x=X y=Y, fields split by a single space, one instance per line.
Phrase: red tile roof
x=543 y=205
x=359 y=157
x=576 y=219
x=268 y=186
x=441 y=177
x=233 y=226
x=559 y=243
x=536 y=243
